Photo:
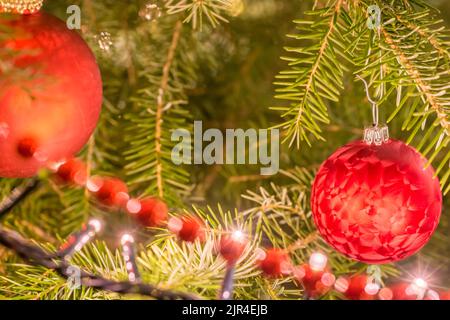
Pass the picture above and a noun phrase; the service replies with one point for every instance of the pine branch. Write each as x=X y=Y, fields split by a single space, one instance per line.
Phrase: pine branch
x=195 y=9
x=315 y=75
x=160 y=106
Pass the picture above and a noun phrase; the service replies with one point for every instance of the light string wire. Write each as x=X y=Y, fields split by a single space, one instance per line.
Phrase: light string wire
x=31 y=252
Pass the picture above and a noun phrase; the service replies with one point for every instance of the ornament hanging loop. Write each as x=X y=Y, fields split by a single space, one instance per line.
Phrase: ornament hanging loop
x=376 y=134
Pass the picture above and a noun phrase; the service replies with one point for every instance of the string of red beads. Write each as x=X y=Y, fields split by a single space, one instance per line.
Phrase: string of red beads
x=315 y=276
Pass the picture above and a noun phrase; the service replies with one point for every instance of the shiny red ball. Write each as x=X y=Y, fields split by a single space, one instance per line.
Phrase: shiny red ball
x=376 y=204
x=153 y=212
x=275 y=263
x=112 y=192
x=231 y=249
x=49 y=109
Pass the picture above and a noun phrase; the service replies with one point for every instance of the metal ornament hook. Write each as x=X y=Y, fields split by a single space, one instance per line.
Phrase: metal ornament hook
x=374 y=135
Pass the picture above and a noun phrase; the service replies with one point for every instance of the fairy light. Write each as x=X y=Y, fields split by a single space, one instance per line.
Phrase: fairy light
x=133 y=206
x=175 y=224
x=418 y=287
x=260 y=254
x=238 y=236
x=341 y=284
x=385 y=294
x=372 y=288
x=129 y=255
x=328 y=279
x=94 y=184
x=433 y=295
x=318 y=261
x=78 y=240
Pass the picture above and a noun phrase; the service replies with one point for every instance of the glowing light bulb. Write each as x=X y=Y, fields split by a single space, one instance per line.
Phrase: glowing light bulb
x=372 y=288
x=328 y=279
x=433 y=295
x=385 y=294
x=133 y=206
x=94 y=184
x=175 y=224
x=260 y=254
x=96 y=224
x=341 y=284
x=127 y=238
x=420 y=283
x=318 y=261
x=238 y=236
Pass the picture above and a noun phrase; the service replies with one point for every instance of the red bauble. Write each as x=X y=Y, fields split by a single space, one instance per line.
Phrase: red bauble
x=112 y=192
x=48 y=113
x=72 y=171
x=275 y=263
x=153 y=212
x=231 y=247
x=376 y=204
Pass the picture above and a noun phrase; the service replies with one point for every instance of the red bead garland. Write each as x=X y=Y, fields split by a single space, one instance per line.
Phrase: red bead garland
x=72 y=171
x=232 y=246
x=112 y=192
x=275 y=263
x=187 y=228
x=153 y=212
x=315 y=277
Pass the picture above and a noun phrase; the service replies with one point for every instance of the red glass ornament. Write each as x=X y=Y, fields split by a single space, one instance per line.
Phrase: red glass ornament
x=72 y=171
x=153 y=212
x=275 y=263
x=112 y=192
x=232 y=247
x=376 y=204
x=316 y=283
x=48 y=113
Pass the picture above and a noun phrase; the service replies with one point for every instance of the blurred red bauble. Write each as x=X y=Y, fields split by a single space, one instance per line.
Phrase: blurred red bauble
x=72 y=171
x=275 y=263
x=376 y=204
x=232 y=246
x=112 y=192
x=153 y=212
x=50 y=107
x=187 y=228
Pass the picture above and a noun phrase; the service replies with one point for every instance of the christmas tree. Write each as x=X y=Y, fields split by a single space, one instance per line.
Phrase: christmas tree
x=201 y=175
